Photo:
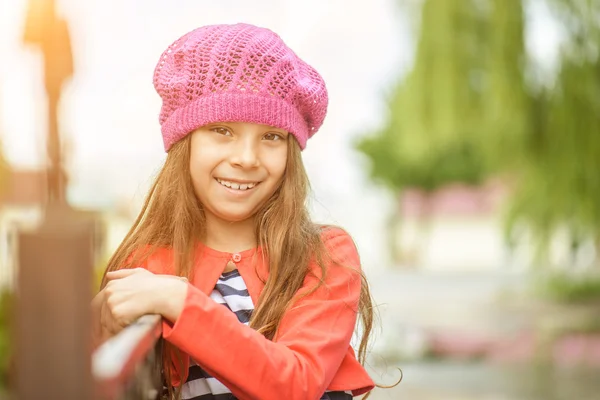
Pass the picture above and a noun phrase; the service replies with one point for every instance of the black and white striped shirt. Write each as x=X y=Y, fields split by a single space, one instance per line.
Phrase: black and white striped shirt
x=231 y=292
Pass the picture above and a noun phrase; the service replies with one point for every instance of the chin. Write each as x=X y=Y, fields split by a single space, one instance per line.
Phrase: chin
x=235 y=217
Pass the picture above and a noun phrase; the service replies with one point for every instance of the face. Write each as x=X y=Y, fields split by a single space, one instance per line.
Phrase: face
x=236 y=167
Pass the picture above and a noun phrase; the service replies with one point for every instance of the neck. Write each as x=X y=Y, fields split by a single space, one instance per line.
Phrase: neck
x=229 y=236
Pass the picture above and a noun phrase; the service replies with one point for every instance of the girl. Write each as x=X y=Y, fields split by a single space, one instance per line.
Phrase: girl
x=257 y=301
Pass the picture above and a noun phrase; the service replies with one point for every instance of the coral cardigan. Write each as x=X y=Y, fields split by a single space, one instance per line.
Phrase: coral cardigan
x=311 y=352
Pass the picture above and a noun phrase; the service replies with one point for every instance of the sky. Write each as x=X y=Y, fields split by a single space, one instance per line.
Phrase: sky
x=109 y=110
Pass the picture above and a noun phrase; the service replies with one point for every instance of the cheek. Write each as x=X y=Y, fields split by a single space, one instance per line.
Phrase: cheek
x=200 y=169
x=195 y=169
x=202 y=156
x=276 y=164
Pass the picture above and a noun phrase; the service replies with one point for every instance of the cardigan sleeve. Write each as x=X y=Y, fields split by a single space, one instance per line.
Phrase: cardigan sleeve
x=312 y=340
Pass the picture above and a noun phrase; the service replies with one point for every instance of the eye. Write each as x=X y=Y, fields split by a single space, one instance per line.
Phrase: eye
x=222 y=131
x=273 y=136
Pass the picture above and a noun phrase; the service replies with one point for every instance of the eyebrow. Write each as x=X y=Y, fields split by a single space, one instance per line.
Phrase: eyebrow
x=231 y=125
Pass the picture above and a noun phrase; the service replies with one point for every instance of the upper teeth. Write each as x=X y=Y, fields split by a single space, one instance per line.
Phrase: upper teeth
x=237 y=186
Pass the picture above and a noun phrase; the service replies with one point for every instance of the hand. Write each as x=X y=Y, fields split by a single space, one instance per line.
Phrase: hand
x=99 y=333
x=131 y=293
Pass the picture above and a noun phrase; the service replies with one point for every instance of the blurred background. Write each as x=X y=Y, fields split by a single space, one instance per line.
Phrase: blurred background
x=460 y=151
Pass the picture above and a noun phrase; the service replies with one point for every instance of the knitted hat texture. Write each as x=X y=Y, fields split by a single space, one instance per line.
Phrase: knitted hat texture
x=237 y=73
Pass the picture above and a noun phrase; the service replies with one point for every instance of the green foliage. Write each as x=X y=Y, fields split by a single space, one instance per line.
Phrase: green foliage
x=456 y=162
x=5 y=347
x=560 y=184
x=568 y=289
x=462 y=105
x=474 y=106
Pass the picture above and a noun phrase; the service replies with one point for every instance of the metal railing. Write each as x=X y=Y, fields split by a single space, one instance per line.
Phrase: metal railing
x=128 y=365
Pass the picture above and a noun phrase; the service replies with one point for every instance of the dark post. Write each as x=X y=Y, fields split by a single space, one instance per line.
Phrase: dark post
x=53 y=338
x=53 y=311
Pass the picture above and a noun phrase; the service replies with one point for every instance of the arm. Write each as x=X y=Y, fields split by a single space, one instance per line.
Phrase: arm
x=312 y=340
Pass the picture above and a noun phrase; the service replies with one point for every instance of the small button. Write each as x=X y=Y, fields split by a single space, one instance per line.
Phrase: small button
x=237 y=257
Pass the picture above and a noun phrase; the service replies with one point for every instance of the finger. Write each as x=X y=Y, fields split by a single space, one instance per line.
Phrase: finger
x=107 y=320
x=96 y=306
x=104 y=319
x=122 y=273
x=109 y=324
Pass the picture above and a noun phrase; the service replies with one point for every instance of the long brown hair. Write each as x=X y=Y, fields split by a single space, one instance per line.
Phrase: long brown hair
x=173 y=218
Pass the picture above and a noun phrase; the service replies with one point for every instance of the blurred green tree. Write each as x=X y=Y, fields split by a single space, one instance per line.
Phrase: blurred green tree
x=435 y=112
x=5 y=348
x=473 y=106
x=560 y=186
x=462 y=107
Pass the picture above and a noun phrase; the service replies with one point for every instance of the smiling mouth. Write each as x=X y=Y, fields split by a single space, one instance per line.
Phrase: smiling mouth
x=237 y=185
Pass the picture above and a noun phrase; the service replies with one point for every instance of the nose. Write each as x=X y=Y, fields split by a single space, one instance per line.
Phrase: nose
x=245 y=153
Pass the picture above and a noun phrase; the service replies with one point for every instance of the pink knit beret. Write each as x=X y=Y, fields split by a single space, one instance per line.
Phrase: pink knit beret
x=237 y=73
